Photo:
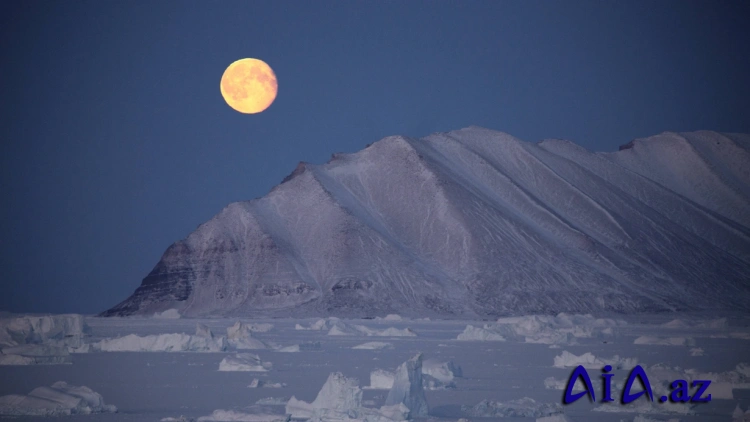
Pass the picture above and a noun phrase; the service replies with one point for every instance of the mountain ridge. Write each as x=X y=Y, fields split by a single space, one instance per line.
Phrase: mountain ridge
x=475 y=222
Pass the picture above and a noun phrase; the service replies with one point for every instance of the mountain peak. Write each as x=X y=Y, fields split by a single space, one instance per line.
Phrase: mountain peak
x=475 y=222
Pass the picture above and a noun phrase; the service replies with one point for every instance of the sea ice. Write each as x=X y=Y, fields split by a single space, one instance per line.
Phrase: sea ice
x=393 y=317
x=221 y=415
x=340 y=400
x=338 y=393
x=322 y=324
x=338 y=327
x=435 y=376
x=442 y=371
x=341 y=328
x=362 y=414
x=244 y=362
x=275 y=401
x=561 y=329
x=203 y=331
x=240 y=338
x=432 y=383
x=34 y=354
x=374 y=345
x=521 y=408
x=58 y=400
x=257 y=383
x=665 y=341
x=472 y=333
x=589 y=361
x=302 y=347
x=714 y=324
x=168 y=314
x=161 y=343
x=66 y=330
x=387 y=332
x=381 y=380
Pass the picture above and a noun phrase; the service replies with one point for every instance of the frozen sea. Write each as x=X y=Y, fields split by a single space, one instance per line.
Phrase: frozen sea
x=149 y=386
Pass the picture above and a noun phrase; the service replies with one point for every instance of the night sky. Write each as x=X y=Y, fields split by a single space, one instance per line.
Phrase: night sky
x=116 y=141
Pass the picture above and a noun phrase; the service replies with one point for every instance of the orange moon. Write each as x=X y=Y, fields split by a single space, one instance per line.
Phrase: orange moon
x=249 y=86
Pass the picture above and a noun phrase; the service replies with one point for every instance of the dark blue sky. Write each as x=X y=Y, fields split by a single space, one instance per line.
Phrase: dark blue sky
x=116 y=141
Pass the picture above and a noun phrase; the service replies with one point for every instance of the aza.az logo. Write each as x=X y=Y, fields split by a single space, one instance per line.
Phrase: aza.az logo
x=680 y=392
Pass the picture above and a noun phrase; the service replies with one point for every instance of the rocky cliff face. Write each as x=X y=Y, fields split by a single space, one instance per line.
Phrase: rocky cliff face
x=476 y=222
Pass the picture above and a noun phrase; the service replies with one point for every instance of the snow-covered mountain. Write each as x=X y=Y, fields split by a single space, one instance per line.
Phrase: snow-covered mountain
x=476 y=222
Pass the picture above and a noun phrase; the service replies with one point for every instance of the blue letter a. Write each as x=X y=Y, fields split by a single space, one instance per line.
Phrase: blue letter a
x=640 y=373
x=580 y=371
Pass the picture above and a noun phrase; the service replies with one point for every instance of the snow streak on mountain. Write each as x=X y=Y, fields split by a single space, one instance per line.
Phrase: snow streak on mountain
x=476 y=222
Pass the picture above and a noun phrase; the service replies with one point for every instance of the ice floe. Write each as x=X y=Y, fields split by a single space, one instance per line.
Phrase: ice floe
x=309 y=346
x=665 y=341
x=340 y=399
x=244 y=362
x=338 y=327
x=338 y=393
x=392 y=317
x=202 y=330
x=589 y=361
x=442 y=371
x=275 y=401
x=66 y=330
x=35 y=354
x=544 y=329
x=380 y=380
x=257 y=383
x=60 y=399
x=472 y=333
x=161 y=343
x=697 y=351
x=168 y=314
x=521 y=408
x=240 y=338
x=374 y=345
x=714 y=324
x=387 y=332
x=435 y=376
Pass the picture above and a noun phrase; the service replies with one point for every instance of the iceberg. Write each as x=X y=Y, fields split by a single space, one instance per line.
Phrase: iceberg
x=244 y=362
x=35 y=354
x=408 y=389
x=472 y=333
x=60 y=399
x=240 y=338
x=161 y=343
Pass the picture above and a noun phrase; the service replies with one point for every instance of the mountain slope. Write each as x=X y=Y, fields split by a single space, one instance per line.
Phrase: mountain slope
x=476 y=222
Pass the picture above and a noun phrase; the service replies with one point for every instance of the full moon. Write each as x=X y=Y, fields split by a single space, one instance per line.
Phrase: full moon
x=249 y=86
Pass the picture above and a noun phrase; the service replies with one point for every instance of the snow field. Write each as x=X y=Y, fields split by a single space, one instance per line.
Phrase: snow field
x=494 y=380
